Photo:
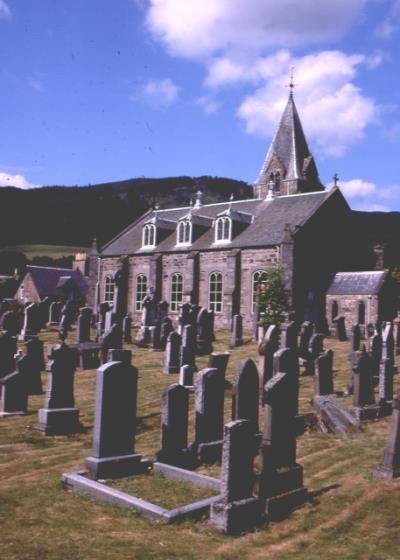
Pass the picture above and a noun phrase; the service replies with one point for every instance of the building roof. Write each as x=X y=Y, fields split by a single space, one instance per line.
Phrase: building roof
x=353 y=283
x=267 y=228
x=46 y=279
x=290 y=149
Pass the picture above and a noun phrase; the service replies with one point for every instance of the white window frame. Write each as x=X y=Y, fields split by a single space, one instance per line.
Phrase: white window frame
x=109 y=289
x=176 y=291
x=140 y=291
x=216 y=296
x=254 y=284
x=149 y=235
x=226 y=231
x=186 y=227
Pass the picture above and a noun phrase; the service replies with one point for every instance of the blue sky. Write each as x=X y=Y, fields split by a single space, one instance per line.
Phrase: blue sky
x=101 y=90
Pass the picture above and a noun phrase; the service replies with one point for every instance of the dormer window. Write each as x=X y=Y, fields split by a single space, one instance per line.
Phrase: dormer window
x=149 y=235
x=184 y=233
x=223 y=229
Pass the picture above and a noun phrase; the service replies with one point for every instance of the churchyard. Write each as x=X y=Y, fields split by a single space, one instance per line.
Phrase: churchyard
x=348 y=514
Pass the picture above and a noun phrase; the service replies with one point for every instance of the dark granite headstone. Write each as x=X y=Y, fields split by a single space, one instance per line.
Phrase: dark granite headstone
x=8 y=349
x=172 y=353
x=340 y=328
x=166 y=329
x=285 y=361
x=186 y=376
x=31 y=324
x=118 y=355
x=266 y=350
x=13 y=390
x=237 y=331
x=219 y=361
x=113 y=454
x=155 y=337
x=10 y=323
x=237 y=510
x=163 y=307
x=111 y=339
x=126 y=329
x=323 y=380
x=245 y=400
x=390 y=465
x=375 y=352
x=83 y=325
x=289 y=334
x=188 y=350
x=35 y=365
x=306 y=332
x=204 y=333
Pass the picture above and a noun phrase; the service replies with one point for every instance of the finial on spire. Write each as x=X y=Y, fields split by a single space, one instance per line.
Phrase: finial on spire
x=291 y=83
x=335 y=179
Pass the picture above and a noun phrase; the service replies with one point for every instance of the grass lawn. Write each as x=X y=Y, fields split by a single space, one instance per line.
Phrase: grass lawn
x=350 y=517
x=52 y=251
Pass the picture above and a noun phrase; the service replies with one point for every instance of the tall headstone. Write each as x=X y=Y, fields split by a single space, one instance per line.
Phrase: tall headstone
x=266 y=350
x=54 y=313
x=174 y=427
x=111 y=339
x=31 y=324
x=237 y=331
x=172 y=353
x=245 y=400
x=43 y=312
x=113 y=453
x=390 y=465
x=388 y=343
x=385 y=382
x=155 y=337
x=188 y=350
x=35 y=365
x=126 y=329
x=323 y=379
x=184 y=316
x=219 y=361
x=163 y=307
x=340 y=328
x=13 y=390
x=8 y=349
x=315 y=348
x=375 y=352
x=238 y=509
x=166 y=329
x=364 y=405
x=306 y=332
x=104 y=308
x=289 y=335
x=204 y=333
x=186 y=376
x=59 y=416
x=83 y=325
x=209 y=410
x=285 y=361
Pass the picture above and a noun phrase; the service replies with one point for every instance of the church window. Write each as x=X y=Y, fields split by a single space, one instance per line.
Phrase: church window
x=334 y=310
x=176 y=291
x=223 y=229
x=109 y=289
x=258 y=282
x=184 y=232
x=361 y=313
x=149 y=235
x=141 y=290
x=215 y=292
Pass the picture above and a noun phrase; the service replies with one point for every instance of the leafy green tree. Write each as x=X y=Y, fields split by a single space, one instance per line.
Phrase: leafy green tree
x=272 y=299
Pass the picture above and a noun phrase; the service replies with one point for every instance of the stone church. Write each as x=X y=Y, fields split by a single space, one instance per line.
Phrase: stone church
x=215 y=255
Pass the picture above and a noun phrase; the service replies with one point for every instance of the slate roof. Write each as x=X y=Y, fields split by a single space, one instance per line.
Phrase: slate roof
x=46 y=279
x=353 y=283
x=267 y=229
x=290 y=147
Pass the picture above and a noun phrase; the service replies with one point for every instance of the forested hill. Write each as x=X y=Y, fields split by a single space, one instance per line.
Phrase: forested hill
x=74 y=215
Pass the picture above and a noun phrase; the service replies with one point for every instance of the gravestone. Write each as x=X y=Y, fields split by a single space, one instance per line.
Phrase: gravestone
x=375 y=352
x=285 y=361
x=163 y=308
x=111 y=339
x=113 y=454
x=118 y=355
x=186 y=376
x=188 y=350
x=209 y=410
x=245 y=400
x=174 y=427
x=306 y=332
x=289 y=334
x=281 y=480
x=237 y=509
x=364 y=406
x=166 y=329
x=104 y=307
x=83 y=325
x=185 y=316
x=43 y=312
x=31 y=324
x=172 y=353
x=54 y=313
x=13 y=390
x=219 y=361
x=68 y=315
x=10 y=323
x=237 y=331
x=59 y=415
x=35 y=365
x=386 y=384
x=323 y=379
x=204 y=333
x=154 y=337
x=335 y=417
x=266 y=350
x=126 y=329
x=388 y=344
x=8 y=349
x=340 y=328
x=315 y=348
x=390 y=465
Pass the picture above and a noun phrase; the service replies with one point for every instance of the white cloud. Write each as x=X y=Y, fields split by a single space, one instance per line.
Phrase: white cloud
x=356 y=188
x=209 y=104
x=5 y=11
x=159 y=93
x=333 y=110
x=18 y=181
x=195 y=29
x=367 y=196
x=391 y=24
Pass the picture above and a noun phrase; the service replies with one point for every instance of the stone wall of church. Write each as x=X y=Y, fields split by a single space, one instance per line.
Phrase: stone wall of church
x=348 y=306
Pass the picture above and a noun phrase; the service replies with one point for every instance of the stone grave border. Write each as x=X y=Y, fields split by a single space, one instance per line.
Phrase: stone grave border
x=79 y=482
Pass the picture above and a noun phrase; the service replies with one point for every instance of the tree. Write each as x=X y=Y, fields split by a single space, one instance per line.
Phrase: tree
x=272 y=299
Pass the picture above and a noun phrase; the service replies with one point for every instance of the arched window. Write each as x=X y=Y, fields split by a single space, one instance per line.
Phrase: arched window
x=361 y=313
x=141 y=290
x=176 y=291
x=223 y=229
x=109 y=289
x=334 y=310
x=215 y=292
x=149 y=235
x=184 y=232
x=258 y=281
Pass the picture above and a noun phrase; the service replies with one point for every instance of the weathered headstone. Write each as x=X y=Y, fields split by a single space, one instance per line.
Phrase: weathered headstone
x=209 y=406
x=83 y=325
x=388 y=344
x=155 y=337
x=186 y=376
x=364 y=406
x=340 y=328
x=54 y=313
x=266 y=350
x=163 y=307
x=13 y=390
x=289 y=334
x=126 y=329
x=111 y=339
x=323 y=379
x=386 y=383
x=104 y=307
x=8 y=349
x=31 y=324
x=172 y=353
x=219 y=361
x=237 y=331
x=185 y=316
x=174 y=427
x=390 y=465
x=166 y=329
x=59 y=415
x=43 y=312
x=245 y=400
x=188 y=350
x=10 y=323
x=204 y=333
x=113 y=454
x=35 y=364
x=375 y=352
x=306 y=332
x=315 y=348
x=237 y=510
x=285 y=361
x=118 y=355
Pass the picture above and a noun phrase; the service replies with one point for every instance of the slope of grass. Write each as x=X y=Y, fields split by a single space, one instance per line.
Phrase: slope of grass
x=350 y=517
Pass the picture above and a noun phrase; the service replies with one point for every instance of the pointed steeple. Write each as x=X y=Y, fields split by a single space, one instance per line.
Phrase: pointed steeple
x=289 y=163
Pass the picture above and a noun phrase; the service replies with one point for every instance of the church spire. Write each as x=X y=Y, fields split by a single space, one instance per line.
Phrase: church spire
x=289 y=162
